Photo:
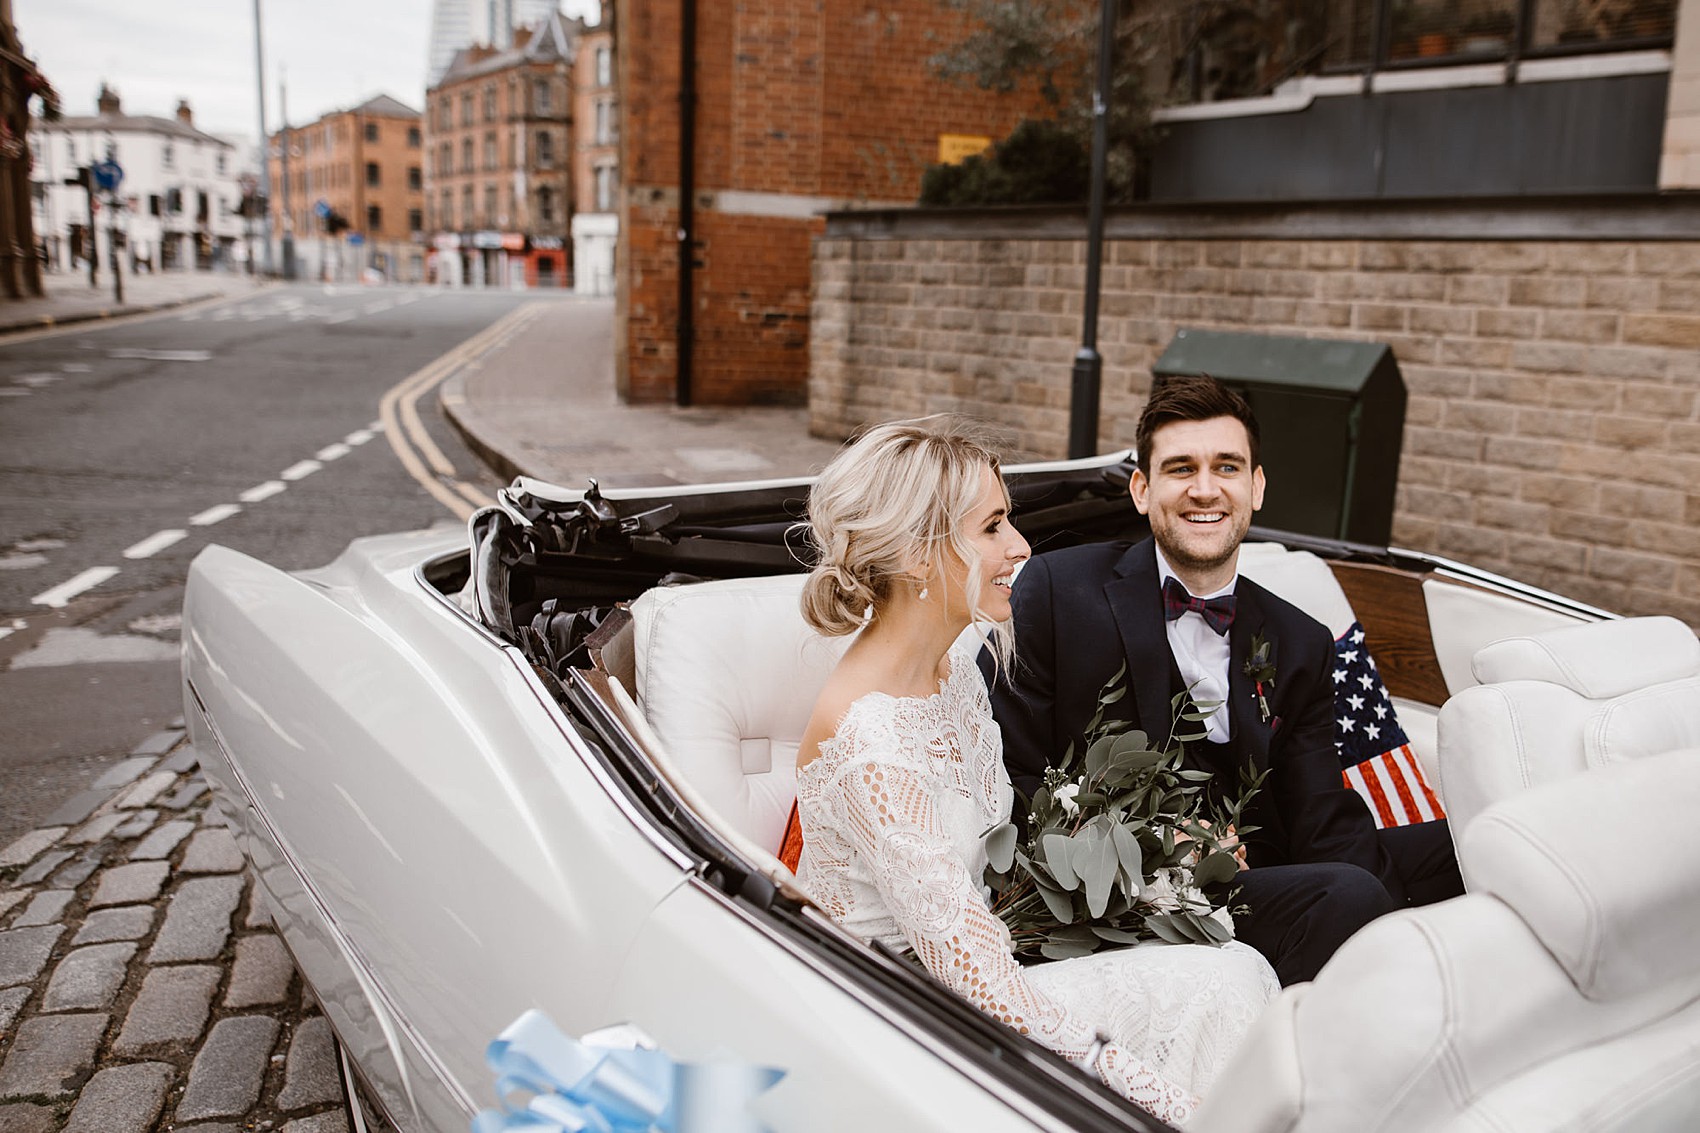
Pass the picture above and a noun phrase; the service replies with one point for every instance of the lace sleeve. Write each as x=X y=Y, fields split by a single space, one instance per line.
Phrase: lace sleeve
x=893 y=821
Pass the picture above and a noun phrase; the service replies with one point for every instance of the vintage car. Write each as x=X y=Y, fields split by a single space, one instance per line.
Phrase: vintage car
x=545 y=763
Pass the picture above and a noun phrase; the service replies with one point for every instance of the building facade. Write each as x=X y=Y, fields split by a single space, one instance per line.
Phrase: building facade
x=457 y=24
x=350 y=189
x=20 y=83
x=800 y=107
x=596 y=162
x=178 y=206
x=498 y=131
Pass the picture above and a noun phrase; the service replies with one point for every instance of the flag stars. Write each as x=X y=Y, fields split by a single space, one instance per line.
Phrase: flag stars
x=1346 y=723
x=1357 y=637
x=1367 y=681
x=1372 y=731
x=1349 y=656
x=1356 y=702
x=1339 y=676
x=1381 y=711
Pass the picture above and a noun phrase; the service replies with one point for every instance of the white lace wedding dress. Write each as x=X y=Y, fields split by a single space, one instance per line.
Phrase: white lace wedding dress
x=894 y=812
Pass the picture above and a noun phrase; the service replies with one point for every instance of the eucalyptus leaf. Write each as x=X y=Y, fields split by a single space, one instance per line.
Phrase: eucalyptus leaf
x=1069 y=951
x=1162 y=926
x=1057 y=902
x=1057 y=849
x=1218 y=932
x=1216 y=868
x=1000 y=847
x=1098 y=755
x=1095 y=861
x=1127 y=852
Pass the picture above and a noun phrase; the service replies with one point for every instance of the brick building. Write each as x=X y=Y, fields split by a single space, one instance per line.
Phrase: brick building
x=596 y=161
x=800 y=107
x=499 y=170
x=364 y=166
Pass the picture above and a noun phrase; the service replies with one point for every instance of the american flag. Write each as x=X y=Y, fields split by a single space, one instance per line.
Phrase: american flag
x=1375 y=754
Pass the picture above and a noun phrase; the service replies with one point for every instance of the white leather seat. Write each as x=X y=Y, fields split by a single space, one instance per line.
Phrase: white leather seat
x=1563 y=993
x=1557 y=703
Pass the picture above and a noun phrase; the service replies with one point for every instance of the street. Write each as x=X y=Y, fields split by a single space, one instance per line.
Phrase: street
x=128 y=448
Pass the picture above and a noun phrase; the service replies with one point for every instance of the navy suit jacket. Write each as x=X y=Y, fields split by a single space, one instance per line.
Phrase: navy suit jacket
x=1082 y=611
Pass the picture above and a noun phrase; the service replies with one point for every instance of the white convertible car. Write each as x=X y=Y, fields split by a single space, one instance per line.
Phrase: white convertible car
x=546 y=765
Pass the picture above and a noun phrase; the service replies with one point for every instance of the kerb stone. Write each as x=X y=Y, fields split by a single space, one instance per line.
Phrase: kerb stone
x=129 y=923
x=31 y=844
x=197 y=921
x=171 y=1007
x=162 y=841
x=310 y=1074
x=77 y=808
x=123 y=773
x=227 y=1074
x=145 y=792
x=184 y=795
x=50 y=1055
x=129 y=884
x=121 y=1099
x=139 y=823
x=212 y=851
x=184 y=760
x=88 y=978
x=23 y=952
x=96 y=828
x=261 y=974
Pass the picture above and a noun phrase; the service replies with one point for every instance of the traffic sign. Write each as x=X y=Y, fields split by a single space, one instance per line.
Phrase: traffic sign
x=108 y=174
x=321 y=208
x=356 y=238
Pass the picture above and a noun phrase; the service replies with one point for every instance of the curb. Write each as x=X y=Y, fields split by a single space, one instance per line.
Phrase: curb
x=451 y=398
x=47 y=322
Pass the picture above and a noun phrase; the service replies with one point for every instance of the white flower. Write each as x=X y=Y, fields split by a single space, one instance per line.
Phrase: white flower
x=1065 y=798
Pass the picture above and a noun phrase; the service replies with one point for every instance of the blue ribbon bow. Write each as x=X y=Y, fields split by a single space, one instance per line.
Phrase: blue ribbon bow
x=578 y=1088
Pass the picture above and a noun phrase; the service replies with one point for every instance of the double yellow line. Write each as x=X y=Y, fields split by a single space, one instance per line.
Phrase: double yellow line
x=399 y=412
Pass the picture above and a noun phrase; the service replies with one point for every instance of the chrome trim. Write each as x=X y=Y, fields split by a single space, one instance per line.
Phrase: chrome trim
x=1510 y=587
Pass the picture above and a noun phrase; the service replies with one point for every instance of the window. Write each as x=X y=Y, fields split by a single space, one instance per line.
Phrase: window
x=221 y=162
x=490 y=218
x=466 y=165
x=374 y=220
x=414 y=141
x=374 y=176
x=415 y=220
x=466 y=220
x=445 y=113
x=540 y=100
x=71 y=150
x=446 y=212
x=605 y=124
x=445 y=160
x=167 y=157
x=490 y=150
x=545 y=149
x=371 y=131
x=490 y=103
x=545 y=205
x=466 y=109
x=606 y=181
x=604 y=66
x=415 y=181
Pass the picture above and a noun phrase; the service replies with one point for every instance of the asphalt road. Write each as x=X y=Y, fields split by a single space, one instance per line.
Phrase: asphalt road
x=128 y=448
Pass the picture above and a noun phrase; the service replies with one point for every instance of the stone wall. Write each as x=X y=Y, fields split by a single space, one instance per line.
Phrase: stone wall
x=1553 y=426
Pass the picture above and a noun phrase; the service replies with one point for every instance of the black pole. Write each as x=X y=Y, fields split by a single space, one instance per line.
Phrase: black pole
x=1088 y=364
x=112 y=246
x=93 y=249
x=687 y=194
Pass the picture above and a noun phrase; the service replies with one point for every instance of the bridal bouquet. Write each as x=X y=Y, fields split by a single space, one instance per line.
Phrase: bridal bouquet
x=1122 y=844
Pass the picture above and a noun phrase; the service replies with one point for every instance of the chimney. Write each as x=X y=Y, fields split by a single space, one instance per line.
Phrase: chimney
x=107 y=102
x=184 y=114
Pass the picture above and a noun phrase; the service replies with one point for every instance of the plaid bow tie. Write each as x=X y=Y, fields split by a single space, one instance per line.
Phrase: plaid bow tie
x=1217 y=612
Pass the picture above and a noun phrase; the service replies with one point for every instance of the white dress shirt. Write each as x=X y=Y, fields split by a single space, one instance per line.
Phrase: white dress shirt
x=1201 y=654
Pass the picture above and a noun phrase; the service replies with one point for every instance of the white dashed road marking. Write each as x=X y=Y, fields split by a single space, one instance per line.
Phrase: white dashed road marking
x=156 y=543
x=300 y=469
x=163 y=355
x=332 y=452
x=65 y=591
x=263 y=491
x=76 y=367
x=342 y=318
x=358 y=437
x=214 y=514
x=35 y=381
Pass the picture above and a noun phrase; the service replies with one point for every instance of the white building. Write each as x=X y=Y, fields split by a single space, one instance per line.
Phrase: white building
x=179 y=199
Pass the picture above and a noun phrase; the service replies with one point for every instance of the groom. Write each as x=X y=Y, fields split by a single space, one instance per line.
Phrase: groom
x=1176 y=610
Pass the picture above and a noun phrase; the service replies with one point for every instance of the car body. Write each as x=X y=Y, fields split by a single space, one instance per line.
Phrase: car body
x=452 y=823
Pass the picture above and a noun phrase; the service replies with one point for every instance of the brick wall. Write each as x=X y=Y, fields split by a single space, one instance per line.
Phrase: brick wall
x=802 y=105
x=1553 y=426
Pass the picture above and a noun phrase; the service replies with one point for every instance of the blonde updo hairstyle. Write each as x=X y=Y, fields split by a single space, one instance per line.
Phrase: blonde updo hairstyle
x=896 y=497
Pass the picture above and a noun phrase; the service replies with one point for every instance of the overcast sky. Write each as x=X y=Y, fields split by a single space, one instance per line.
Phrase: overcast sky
x=333 y=53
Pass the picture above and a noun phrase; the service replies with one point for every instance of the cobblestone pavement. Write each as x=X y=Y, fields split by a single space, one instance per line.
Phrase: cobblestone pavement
x=142 y=987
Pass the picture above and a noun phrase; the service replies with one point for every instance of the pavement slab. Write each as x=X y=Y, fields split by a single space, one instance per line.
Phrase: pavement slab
x=88 y=978
x=46 y=907
x=227 y=1074
x=162 y=841
x=310 y=1074
x=184 y=795
x=124 y=772
x=11 y=1002
x=145 y=792
x=96 y=829
x=24 y=850
x=172 y=1007
x=331 y=1122
x=130 y=884
x=131 y=922
x=185 y=759
x=139 y=823
x=77 y=872
x=10 y=897
x=197 y=921
x=121 y=1099
x=50 y=1055
x=212 y=851
x=28 y=1117
x=23 y=953
x=42 y=866
x=262 y=972
x=77 y=808
x=160 y=742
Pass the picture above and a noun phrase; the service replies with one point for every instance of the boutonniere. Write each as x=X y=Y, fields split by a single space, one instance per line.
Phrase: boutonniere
x=1260 y=667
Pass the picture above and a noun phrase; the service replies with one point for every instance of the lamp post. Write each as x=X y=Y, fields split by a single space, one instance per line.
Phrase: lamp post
x=265 y=141
x=1088 y=364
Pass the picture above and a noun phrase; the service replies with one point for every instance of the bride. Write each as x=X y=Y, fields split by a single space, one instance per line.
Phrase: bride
x=900 y=774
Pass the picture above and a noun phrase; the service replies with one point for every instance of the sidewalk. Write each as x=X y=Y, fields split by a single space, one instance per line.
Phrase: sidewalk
x=70 y=299
x=544 y=405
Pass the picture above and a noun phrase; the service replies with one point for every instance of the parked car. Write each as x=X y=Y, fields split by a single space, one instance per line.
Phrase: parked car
x=545 y=763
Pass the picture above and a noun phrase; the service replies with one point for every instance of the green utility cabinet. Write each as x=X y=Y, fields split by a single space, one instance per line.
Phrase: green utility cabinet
x=1331 y=414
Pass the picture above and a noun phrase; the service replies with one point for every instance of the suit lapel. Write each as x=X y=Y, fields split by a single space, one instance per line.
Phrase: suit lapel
x=1136 y=602
x=1250 y=731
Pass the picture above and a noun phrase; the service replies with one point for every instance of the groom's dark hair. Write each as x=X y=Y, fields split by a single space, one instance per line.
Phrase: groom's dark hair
x=1191 y=397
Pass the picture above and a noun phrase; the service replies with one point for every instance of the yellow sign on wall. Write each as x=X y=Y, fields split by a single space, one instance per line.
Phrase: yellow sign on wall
x=954 y=147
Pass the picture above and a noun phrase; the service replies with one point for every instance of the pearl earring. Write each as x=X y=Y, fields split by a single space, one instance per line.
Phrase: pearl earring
x=924 y=593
